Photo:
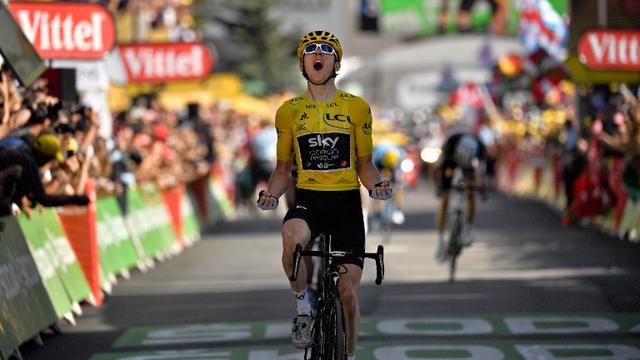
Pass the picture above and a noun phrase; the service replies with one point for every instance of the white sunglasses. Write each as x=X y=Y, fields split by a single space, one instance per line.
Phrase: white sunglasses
x=324 y=48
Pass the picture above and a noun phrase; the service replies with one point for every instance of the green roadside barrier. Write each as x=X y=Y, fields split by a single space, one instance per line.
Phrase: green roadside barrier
x=68 y=267
x=190 y=226
x=163 y=229
x=150 y=220
x=25 y=308
x=109 y=263
x=41 y=250
x=142 y=223
x=116 y=246
x=220 y=203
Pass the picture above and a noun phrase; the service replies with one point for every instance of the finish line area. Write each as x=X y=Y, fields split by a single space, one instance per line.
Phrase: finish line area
x=522 y=337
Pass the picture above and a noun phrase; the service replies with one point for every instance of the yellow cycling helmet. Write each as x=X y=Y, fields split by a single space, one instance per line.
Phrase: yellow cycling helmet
x=72 y=147
x=319 y=36
x=49 y=145
x=390 y=159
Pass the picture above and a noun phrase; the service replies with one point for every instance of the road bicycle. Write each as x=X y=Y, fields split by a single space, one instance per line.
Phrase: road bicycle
x=328 y=331
x=454 y=244
x=386 y=220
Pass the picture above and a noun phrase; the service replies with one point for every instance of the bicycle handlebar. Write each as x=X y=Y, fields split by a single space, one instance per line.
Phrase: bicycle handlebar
x=378 y=256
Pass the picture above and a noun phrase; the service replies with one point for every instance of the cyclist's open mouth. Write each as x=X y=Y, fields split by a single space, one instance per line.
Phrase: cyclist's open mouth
x=318 y=65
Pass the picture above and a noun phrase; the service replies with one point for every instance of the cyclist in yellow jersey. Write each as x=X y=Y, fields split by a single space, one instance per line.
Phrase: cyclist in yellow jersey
x=329 y=131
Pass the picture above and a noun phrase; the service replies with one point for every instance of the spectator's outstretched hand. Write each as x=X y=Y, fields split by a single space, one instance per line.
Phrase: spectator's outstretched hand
x=81 y=200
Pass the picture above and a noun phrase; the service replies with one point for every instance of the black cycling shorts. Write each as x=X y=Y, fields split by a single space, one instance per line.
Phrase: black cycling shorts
x=337 y=212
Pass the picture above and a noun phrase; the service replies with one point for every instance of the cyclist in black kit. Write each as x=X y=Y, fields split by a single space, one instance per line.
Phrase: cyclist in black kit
x=466 y=152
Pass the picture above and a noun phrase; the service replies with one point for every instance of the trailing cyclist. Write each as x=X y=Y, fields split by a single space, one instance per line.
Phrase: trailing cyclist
x=387 y=157
x=330 y=132
x=464 y=151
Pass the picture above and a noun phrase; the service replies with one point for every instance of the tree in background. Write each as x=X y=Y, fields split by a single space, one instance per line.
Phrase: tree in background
x=248 y=42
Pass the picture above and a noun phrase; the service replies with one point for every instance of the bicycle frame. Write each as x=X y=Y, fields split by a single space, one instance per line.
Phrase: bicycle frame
x=329 y=335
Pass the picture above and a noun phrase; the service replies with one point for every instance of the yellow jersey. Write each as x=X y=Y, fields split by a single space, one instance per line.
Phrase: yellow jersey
x=326 y=138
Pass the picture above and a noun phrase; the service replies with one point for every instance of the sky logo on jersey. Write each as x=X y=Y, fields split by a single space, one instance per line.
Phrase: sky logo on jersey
x=324 y=142
x=325 y=151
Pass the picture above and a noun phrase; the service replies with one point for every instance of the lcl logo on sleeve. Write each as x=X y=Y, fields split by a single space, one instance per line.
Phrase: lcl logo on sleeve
x=339 y=121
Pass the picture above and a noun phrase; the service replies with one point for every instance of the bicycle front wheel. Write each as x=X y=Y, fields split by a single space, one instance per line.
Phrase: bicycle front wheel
x=452 y=267
x=454 y=247
x=336 y=339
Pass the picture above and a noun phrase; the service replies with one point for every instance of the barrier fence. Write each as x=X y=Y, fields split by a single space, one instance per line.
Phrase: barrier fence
x=543 y=180
x=56 y=259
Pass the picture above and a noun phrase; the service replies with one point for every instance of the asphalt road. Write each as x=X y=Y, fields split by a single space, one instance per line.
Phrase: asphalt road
x=528 y=288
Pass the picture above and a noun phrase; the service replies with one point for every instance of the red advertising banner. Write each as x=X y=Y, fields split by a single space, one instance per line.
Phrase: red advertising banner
x=172 y=201
x=80 y=226
x=66 y=30
x=159 y=63
x=609 y=49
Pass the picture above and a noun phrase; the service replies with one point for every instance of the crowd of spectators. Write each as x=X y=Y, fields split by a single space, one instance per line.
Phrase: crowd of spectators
x=592 y=145
x=588 y=137
x=62 y=148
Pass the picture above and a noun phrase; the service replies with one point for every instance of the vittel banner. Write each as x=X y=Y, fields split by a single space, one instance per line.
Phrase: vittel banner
x=158 y=63
x=607 y=49
x=66 y=30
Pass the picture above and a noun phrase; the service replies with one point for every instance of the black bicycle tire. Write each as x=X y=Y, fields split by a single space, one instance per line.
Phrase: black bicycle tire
x=454 y=247
x=327 y=331
x=340 y=331
x=452 y=268
x=317 y=335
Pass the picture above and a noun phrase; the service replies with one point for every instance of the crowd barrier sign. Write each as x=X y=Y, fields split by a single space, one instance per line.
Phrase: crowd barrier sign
x=182 y=215
x=518 y=176
x=117 y=251
x=219 y=202
x=149 y=219
x=172 y=198
x=25 y=307
x=79 y=224
x=190 y=227
x=46 y=262
x=197 y=193
x=67 y=264
x=53 y=259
